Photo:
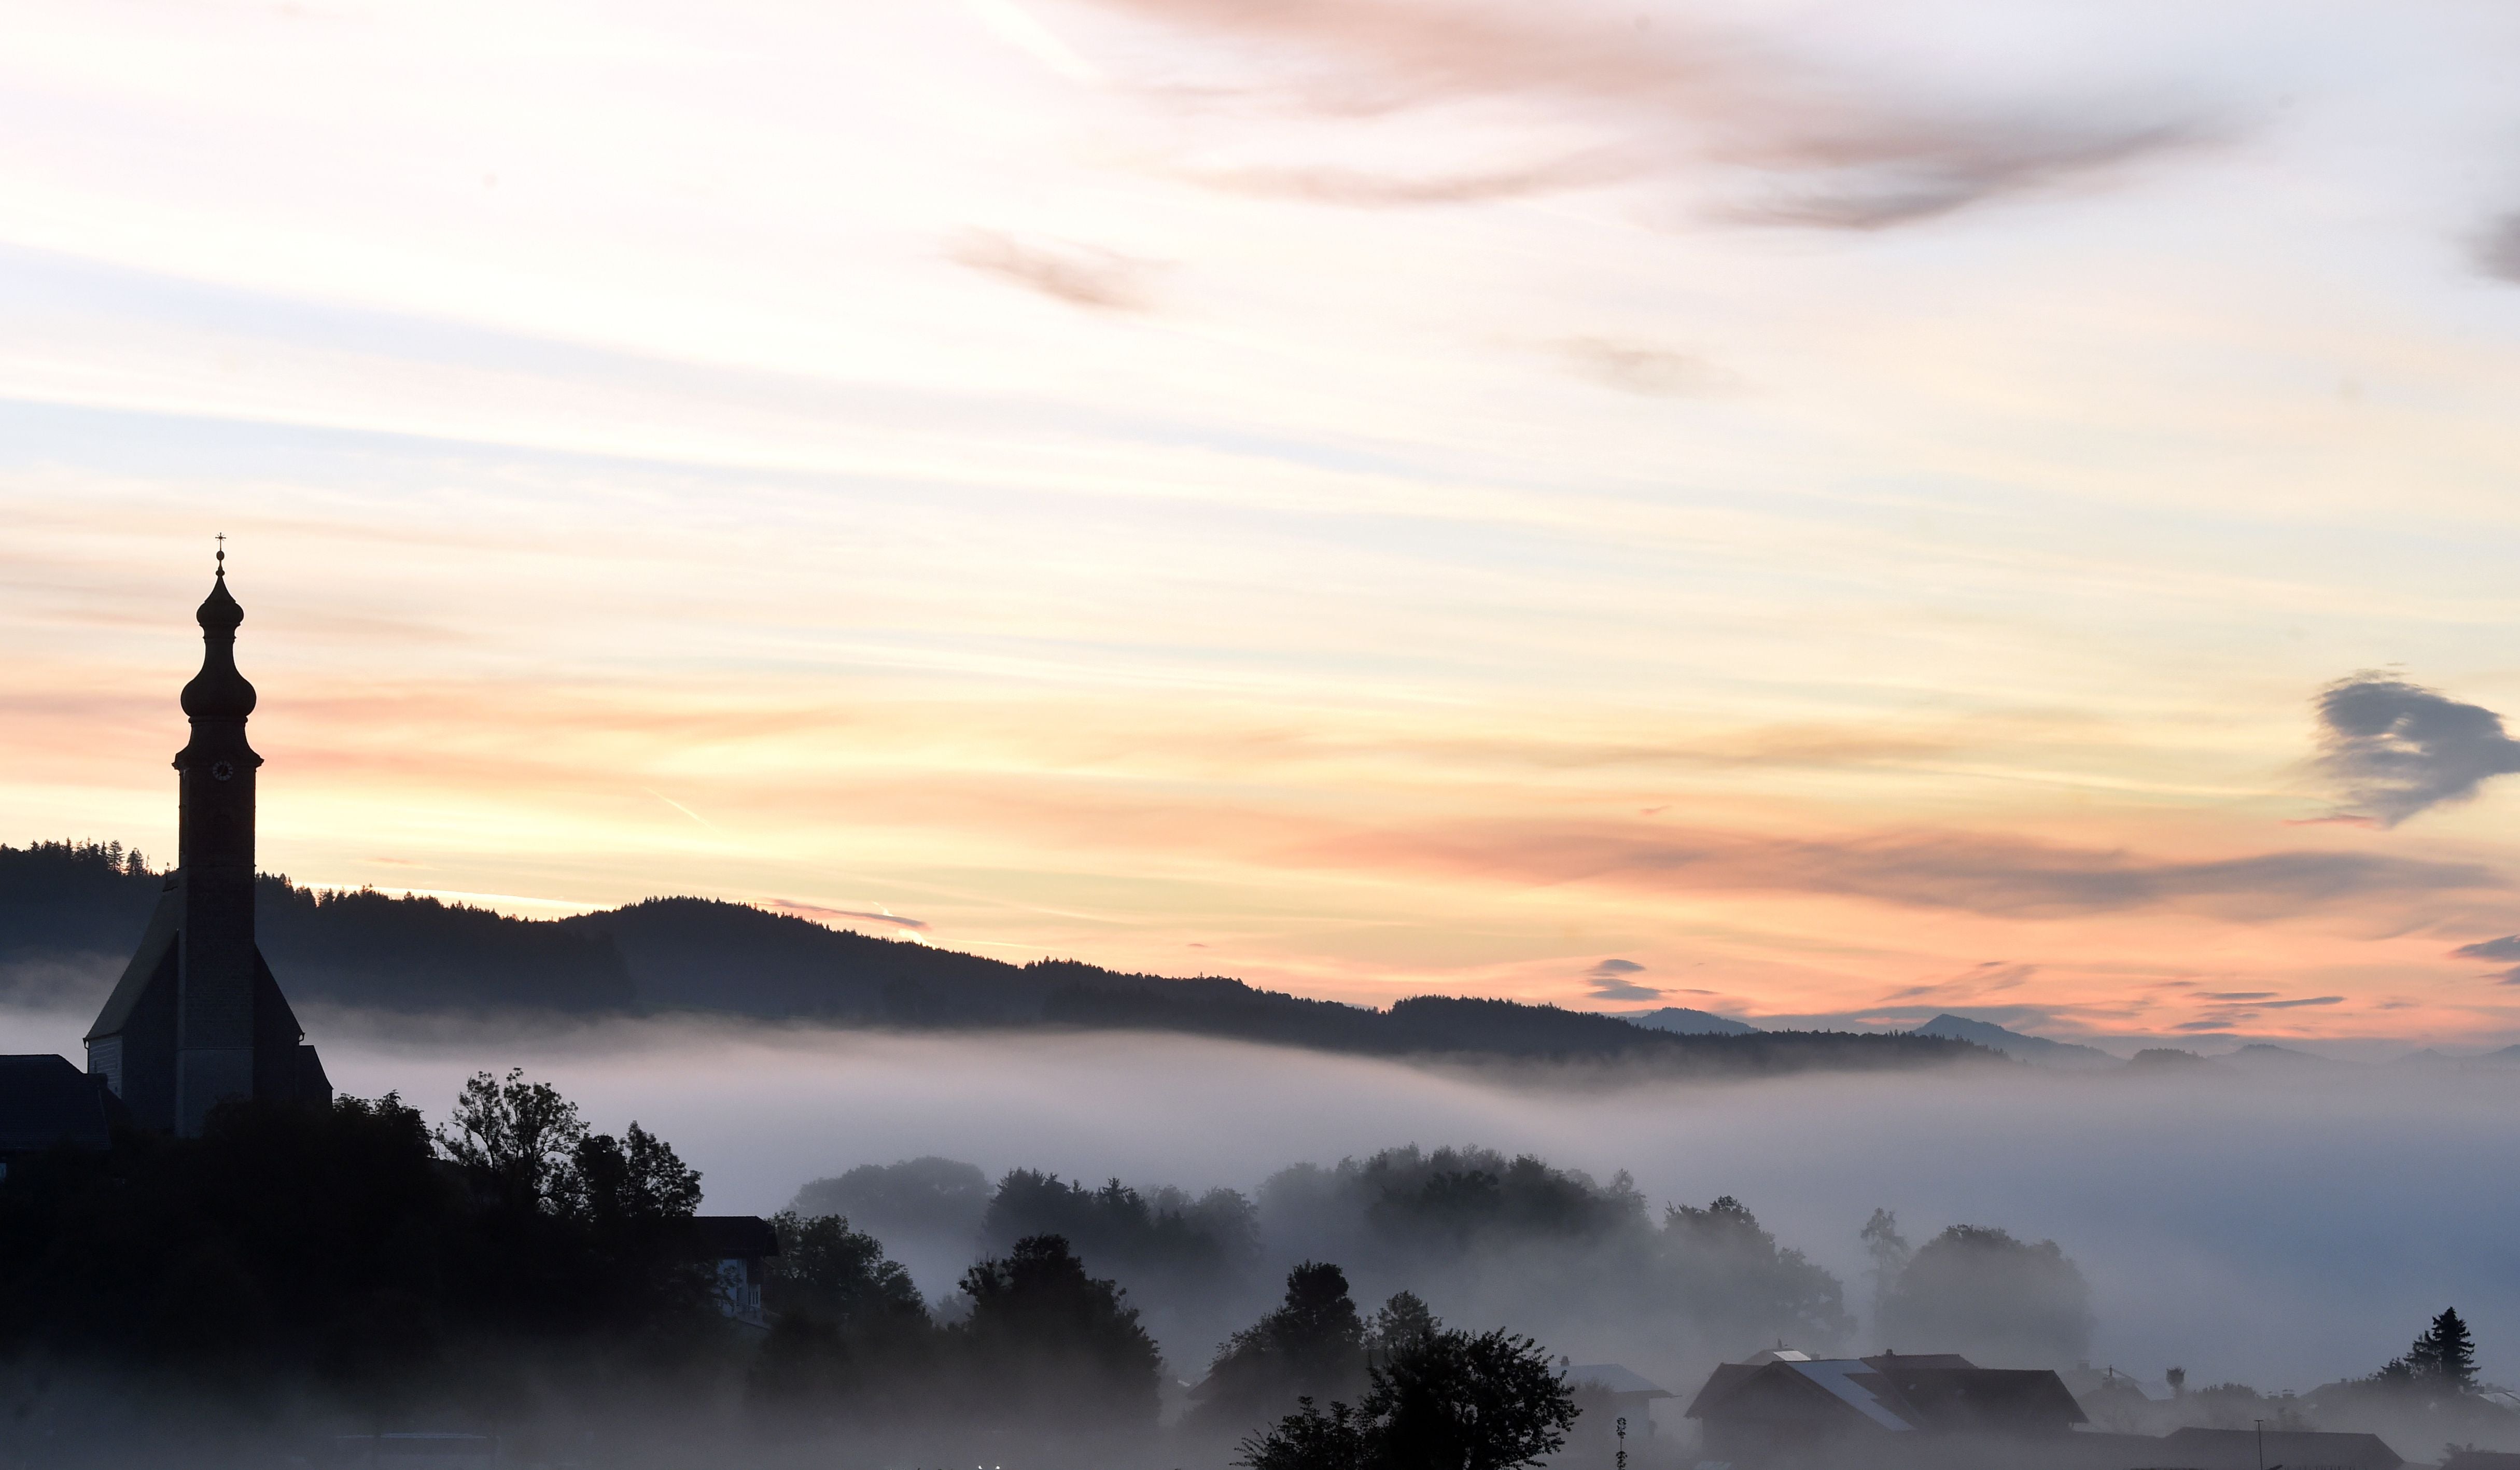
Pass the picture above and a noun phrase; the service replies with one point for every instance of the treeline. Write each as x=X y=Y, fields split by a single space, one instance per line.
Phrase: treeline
x=1664 y=1286
x=70 y=908
x=296 y=1274
x=343 y=1269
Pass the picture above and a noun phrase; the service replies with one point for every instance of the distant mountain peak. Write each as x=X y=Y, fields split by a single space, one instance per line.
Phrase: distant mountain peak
x=2037 y=1050
x=1688 y=1022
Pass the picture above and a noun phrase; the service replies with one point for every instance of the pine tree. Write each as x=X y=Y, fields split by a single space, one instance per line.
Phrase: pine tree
x=2444 y=1357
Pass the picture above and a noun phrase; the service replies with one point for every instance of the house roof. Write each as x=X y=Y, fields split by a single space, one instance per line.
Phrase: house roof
x=2292 y=1449
x=1892 y=1394
x=720 y=1237
x=1974 y=1398
x=1839 y=1376
x=46 y=1101
x=1614 y=1378
x=1719 y=1386
x=1926 y=1360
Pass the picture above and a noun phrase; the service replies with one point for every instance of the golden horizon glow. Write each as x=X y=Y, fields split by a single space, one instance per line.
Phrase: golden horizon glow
x=1844 y=512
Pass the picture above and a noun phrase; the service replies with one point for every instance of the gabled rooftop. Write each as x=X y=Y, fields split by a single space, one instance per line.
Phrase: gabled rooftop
x=1891 y=1394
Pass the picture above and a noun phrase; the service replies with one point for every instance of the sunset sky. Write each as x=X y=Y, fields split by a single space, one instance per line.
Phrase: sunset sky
x=1821 y=512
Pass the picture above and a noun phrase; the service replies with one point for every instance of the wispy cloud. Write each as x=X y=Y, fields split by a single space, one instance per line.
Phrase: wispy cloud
x=1329 y=185
x=679 y=807
x=1635 y=367
x=2498 y=251
x=823 y=915
x=1610 y=982
x=1989 y=978
x=2505 y=948
x=2395 y=749
x=1077 y=274
x=1022 y=30
x=1668 y=91
x=1975 y=873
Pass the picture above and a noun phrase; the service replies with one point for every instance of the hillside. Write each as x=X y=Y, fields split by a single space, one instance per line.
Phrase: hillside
x=81 y=906
x=78 y=909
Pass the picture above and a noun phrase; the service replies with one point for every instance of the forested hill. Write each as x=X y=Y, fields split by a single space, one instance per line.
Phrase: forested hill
x=70 y=914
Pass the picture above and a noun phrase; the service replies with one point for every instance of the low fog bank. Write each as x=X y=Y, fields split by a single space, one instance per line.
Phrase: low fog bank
x=2279 y=1232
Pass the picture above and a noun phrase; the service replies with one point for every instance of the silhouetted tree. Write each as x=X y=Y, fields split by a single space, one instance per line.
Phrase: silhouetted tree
x=1313 y=1346
x=519 y=1134
x=849 y=1336
x=2443 y=1355
x=1977 y=1290
x=1450 y=1400
x=1115 y=1226
x=1310 y=1438
x=1454 y=1197
x=1188 y=1260
x=1890 y=1253
x=829 y=1271
x=1445 y=1399
x=1044 y=1343
x=1397 y=1323
x=632 y=1184
x=928 y=1195
x=1720 y=1256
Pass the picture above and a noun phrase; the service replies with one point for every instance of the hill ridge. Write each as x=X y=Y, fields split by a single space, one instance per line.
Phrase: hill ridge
x=417 y=955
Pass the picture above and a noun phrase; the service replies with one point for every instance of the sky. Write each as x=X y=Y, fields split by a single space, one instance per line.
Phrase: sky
x=1826 y=513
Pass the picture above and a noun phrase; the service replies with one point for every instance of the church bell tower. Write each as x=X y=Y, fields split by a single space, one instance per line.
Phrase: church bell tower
x=197 y=1019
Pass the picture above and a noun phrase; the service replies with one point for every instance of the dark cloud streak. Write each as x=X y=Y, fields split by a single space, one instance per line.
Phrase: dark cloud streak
x=2497 y=254
x=1610 y=982
x=1964 y=871
x=2396 y=749
x=2505 y=948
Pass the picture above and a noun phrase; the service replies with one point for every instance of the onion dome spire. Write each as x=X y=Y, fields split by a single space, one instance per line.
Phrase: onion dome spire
x=218 y=691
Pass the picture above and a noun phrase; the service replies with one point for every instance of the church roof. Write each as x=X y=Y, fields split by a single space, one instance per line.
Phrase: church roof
x=156 y=945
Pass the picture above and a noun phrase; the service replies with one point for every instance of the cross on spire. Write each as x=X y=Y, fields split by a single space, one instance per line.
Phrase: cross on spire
x=222 y=539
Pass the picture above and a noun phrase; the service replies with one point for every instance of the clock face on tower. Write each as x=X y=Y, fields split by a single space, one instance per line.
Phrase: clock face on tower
x=221 y=771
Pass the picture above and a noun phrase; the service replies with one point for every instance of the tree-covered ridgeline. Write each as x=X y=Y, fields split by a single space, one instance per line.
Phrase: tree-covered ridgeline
x=71 y=912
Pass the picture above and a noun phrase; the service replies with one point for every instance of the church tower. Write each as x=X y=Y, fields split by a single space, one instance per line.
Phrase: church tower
x=197 y=1018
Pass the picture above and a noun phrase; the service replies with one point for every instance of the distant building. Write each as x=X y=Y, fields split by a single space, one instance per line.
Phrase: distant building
x=197 y=1018
x=1784 y=1407
x=46 y=1103
x=1613 y=1392
x=2292 y=1449
x=1939 y=1411
x=737 y=1248
x=2113 y=1400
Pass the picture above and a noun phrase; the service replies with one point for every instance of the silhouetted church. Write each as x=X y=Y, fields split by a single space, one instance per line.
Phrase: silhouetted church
x=197 y=1018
